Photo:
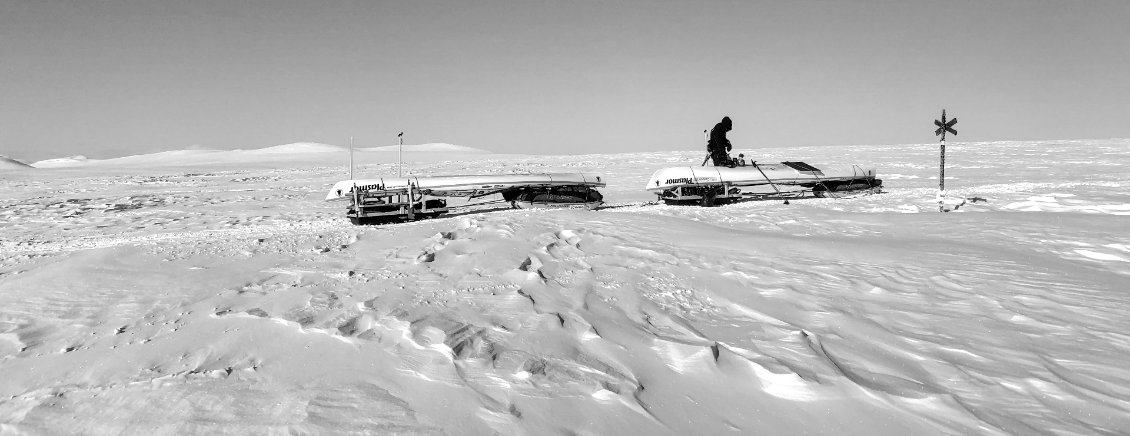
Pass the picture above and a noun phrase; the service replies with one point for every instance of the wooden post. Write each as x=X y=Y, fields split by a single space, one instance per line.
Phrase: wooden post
x=942 y=179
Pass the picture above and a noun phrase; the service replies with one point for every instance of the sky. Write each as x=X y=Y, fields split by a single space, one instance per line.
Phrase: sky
x=113 y=78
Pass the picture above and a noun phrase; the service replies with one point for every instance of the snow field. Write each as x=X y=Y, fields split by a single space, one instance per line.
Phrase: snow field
x=232 y=300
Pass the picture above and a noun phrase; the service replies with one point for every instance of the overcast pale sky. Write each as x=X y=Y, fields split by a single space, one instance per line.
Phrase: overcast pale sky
x=110 y=78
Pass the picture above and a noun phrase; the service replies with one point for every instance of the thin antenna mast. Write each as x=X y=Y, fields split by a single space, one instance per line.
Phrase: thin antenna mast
x=400 y=168
x=350 y=158
x=708 y=153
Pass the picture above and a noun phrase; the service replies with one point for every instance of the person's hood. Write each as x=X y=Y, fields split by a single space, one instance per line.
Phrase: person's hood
x=727 y=124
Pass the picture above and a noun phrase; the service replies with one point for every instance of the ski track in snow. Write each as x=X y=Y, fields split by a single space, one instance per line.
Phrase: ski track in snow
x=237 y=301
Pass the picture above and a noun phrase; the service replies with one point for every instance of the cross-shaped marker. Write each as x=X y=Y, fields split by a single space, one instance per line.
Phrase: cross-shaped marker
x=944 y=126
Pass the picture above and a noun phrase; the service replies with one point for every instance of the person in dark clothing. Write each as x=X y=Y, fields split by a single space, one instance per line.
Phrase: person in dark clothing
x=719 y=147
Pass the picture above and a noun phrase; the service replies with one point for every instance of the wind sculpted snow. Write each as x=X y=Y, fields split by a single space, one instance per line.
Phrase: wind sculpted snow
x=228 y=298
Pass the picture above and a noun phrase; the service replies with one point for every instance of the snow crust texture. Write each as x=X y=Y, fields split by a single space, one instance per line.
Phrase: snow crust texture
x=167 y=297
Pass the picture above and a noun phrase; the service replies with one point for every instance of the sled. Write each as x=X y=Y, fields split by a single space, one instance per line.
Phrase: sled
x=719 y=185
x=394 y=199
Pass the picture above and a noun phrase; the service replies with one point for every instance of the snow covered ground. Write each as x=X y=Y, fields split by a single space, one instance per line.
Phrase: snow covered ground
x=215 y=292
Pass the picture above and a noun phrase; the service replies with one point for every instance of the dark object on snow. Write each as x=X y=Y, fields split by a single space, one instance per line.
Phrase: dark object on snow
x=554 y=195
x=803 y=167
x=718 y=146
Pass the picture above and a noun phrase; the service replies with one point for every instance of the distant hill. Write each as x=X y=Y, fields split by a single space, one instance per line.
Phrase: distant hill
x=61 y=162
x=300 y=147
x=7 y=163
x=198 y=156
x=432 y=147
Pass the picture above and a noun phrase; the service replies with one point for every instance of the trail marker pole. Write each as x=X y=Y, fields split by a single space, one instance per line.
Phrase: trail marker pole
x=400 y=157
x=943 y=127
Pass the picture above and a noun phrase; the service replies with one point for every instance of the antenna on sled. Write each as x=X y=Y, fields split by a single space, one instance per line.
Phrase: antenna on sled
x=350 y=158
x=706 y=136
x=400 y=165
x=943 y=127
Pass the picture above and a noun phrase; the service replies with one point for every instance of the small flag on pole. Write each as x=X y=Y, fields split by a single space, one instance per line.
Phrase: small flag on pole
x=400 y=155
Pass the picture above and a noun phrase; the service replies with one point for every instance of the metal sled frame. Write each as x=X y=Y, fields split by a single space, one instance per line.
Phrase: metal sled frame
x=386 y=205
x=408 y=203
x=708 y=195
x=726 y=192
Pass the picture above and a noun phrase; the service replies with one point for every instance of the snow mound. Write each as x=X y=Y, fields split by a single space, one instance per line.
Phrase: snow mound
x=300 y=147
x=62 y=162
x=435 y=146
x=8 y=163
